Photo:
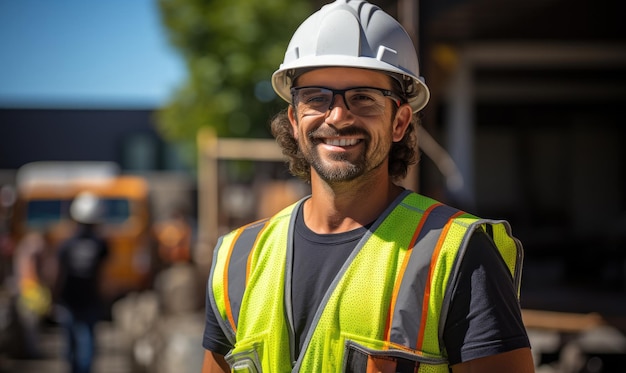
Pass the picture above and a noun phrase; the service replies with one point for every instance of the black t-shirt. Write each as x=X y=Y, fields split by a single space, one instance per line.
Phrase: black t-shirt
x=317 y=258
x=484 y=316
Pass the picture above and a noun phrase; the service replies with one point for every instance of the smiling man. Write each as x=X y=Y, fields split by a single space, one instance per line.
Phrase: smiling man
x=362 y=275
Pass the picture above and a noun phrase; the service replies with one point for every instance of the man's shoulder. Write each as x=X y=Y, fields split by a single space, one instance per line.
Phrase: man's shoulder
x=283 y=217
x=422 y=202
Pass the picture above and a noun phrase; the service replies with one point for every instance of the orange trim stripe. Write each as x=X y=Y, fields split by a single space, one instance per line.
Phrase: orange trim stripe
x=433 y=263
x=405 y=262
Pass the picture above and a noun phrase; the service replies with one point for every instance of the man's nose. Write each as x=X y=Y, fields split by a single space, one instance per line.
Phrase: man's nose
x=338 y=111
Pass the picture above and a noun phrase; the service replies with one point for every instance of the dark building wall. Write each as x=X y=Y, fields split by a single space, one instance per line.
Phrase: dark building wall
x=28 y=135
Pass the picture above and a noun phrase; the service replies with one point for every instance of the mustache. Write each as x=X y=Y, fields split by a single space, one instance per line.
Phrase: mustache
x=326 y=131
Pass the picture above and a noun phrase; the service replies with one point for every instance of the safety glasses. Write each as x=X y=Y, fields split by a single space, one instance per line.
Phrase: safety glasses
x=362 y=101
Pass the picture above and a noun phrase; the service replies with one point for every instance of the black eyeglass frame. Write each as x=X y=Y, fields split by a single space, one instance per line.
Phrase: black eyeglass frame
x=397 y=99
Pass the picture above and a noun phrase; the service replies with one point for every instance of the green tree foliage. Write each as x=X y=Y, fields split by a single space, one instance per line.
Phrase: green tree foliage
x=231 y=48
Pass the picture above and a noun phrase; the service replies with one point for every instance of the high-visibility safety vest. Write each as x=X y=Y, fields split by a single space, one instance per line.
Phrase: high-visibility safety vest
x=385 y=310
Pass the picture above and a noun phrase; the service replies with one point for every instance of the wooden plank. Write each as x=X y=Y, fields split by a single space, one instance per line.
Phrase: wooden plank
x=251 y=149
x=561 y=321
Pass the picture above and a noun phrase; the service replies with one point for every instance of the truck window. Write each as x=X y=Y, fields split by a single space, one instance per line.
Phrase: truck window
x=41 y=213
x=117 y=210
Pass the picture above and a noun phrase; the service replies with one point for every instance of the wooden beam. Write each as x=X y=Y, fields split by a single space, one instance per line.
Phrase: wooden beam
x=561 y=321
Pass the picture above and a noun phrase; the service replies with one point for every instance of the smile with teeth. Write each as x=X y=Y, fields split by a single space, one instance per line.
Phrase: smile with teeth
x=341 y=142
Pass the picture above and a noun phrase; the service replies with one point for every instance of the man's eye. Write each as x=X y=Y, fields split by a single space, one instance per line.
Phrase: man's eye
x=316 y=99
x=362 y=98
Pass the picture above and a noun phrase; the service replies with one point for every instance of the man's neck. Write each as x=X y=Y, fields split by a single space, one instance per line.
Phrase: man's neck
x=346 y=206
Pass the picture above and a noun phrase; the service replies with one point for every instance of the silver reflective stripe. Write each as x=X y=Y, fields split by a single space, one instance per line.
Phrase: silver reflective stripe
x=447 y=299
x=407 y=311
x=236 y=278
x=238 y=263
x=288 y=283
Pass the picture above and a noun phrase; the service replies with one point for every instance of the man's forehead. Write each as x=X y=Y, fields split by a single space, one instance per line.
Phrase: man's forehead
x=343 y=77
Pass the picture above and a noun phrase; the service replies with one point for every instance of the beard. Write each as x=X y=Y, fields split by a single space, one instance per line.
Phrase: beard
x=337 y=167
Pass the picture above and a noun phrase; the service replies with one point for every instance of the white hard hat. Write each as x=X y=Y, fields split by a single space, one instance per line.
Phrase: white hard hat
x=86 y=208
x=353 y=33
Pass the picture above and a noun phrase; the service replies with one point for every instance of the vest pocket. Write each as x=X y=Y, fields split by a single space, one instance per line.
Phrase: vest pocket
x=360 y=359
x=244 y=361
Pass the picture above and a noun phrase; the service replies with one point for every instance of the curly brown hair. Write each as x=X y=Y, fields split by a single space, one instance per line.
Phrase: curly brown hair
x=402 y=154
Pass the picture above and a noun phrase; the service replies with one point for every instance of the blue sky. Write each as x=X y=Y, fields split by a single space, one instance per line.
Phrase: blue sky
x=81 y=53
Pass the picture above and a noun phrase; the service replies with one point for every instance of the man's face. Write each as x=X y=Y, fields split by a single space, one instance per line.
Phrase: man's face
x=339 y=144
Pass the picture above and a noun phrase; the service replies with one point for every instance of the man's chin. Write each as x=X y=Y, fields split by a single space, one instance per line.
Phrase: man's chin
x=336 y=174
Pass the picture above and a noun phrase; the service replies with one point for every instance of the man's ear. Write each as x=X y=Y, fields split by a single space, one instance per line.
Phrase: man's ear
x=401 y=122
x=291 y=113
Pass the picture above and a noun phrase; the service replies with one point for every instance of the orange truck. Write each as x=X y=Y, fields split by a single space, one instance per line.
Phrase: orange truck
x=45 y=191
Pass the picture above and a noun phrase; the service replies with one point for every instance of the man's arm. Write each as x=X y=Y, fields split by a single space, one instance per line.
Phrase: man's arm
x=516 y=361
x=214 y=363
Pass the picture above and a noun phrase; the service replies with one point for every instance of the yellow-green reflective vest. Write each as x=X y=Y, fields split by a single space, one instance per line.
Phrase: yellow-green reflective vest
x=385 y=310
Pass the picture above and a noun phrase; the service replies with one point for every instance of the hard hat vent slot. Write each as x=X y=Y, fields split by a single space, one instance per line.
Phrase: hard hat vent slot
x=387 y=55
x=293 y=54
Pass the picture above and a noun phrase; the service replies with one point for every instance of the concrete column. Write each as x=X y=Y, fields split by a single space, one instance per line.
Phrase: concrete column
x=408 y=16
x=460 y=129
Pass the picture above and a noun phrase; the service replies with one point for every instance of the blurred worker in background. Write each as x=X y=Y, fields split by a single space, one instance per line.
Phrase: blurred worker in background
x=81 y=258
x=174 y=238
x=7 y=200
x=177 y=280
x=363 y=275
x=33 y=301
